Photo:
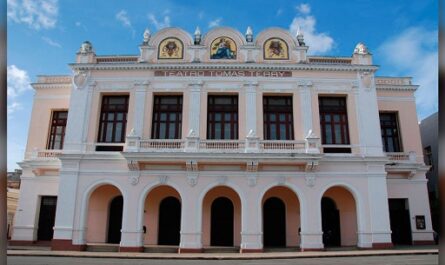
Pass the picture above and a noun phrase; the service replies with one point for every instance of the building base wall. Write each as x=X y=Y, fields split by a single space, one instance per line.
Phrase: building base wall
x=66 y=244
x=131 y=249
x=190 y=250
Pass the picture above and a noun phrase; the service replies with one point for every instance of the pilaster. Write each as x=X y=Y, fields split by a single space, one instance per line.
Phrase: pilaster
x=306 y=105
x=251 y=107
x=195 y=105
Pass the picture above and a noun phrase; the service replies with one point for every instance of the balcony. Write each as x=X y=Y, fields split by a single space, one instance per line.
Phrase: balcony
x=251 y=144
x=401 y=157
x=46 y=155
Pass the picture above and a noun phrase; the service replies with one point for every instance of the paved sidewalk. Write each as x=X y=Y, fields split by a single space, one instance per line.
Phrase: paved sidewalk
x=221 y=256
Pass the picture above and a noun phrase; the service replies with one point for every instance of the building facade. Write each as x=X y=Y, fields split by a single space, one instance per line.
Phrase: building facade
x=223 y=139
x=429 y=132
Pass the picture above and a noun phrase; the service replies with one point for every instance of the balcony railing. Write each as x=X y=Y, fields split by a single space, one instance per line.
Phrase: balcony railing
x=402 y=157
x=45 y=154
x=249 y=145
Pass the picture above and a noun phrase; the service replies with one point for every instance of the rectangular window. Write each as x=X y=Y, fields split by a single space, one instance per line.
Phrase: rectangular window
x=113 y=119
x=278 y=118
x=167 y=117
x=333 y=120
x=428 y=156
x=57 y=130
x=390 y=132
x=222 y=117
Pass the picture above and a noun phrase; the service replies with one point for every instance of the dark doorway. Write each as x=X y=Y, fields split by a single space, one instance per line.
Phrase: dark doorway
x=400 y=222
x=47 y=217
x=274 y=223
x=115 y=220
x=330 y=217
x=221 y=226
x=169 y=221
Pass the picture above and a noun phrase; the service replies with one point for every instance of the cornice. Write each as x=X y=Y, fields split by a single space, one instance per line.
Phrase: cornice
x=397 y=87
x=220 y=66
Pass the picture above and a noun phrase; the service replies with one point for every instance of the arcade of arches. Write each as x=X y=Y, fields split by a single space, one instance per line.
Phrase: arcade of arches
x=222 y=216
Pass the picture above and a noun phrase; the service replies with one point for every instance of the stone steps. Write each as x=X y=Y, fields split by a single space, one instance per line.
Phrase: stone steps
x=221 y=250
x=103 y=247
x=161 y=249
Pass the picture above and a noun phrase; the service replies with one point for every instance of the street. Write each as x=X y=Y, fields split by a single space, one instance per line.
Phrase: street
x=381 y=260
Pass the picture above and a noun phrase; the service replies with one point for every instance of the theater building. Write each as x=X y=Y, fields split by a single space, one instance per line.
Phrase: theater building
x=223 y=140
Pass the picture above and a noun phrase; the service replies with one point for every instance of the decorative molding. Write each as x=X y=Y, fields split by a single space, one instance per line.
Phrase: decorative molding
x=192 y=179
x=281 y=180
x=252 y=180
x=163 y=179
x=80 y=79
x=134 y=179
x=222 y=180
x=219 y=66
x=310 y=180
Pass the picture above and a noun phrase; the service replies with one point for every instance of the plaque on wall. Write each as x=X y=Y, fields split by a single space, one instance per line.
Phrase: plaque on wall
x=420 y=222
x=171 y=48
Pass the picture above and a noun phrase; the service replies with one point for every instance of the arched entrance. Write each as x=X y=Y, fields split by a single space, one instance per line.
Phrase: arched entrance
x=274 y=223
x=330 y=222
x=221 y=218
x=169 y=221
x=104 y=215
x=162 y=216
x=339 y=217
x=281 y=218
x=115 y=220
x=222 y=222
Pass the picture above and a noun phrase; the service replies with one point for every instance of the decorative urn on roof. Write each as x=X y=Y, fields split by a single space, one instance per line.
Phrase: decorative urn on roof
x=361 y=48
x=86 y=47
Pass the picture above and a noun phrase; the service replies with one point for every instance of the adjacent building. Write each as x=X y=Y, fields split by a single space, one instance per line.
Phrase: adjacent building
x=429 y=131
x=223 y=139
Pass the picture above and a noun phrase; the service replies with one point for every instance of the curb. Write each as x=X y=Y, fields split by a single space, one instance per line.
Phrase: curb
x=215 y=256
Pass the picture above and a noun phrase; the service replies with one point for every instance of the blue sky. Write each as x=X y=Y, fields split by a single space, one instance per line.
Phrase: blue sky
x=44 y=35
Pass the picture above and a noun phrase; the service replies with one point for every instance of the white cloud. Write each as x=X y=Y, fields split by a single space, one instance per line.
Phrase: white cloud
x=318 y=42
x=18 y=81
x=215 y=22
x=123 y=18
x=304 y=9
x=165 y=22
x=78 y=24
x=36 y=14
x=13 y=107
x=51 y=42
x=414 y=53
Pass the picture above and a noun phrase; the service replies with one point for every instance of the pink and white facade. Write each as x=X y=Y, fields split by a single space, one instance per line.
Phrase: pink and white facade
x=235 y=151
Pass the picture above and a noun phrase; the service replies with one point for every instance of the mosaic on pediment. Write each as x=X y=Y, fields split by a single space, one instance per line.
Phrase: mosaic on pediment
x=171 y=48
x=223 y=48
x=275 y=49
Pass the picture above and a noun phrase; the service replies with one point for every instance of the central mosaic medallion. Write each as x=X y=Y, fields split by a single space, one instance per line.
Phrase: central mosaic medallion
x=223 y=48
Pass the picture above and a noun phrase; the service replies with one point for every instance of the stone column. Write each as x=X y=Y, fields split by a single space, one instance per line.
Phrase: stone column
x=251 y=234
x=251 y=108
x=378 y=213
x=195 y=106
x=306 y=105
x=191 y=210
x=66 y=205
x=131 y=234
x=311 y=234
